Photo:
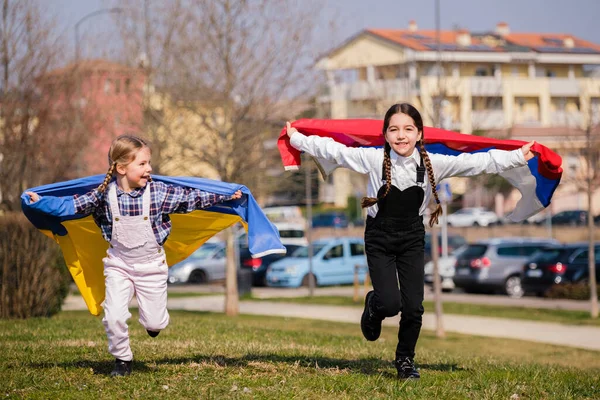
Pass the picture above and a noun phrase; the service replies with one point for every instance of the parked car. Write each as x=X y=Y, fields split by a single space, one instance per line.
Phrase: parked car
x=558 y=265
x=284 y=214
x=292 y=233
x=334 y=219
x=446 y=267
x=496 y=264
x=259 y=265
x=204 y=265
x=333 y=263
x=475 y=216
x=569 y=217
x=454 y=242
x=289 y=233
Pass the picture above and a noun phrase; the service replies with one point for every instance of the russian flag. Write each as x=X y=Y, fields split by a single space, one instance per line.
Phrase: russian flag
x=537 y=181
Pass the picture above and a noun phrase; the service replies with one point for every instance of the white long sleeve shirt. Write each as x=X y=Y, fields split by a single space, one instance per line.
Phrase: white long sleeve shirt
x=404 y=169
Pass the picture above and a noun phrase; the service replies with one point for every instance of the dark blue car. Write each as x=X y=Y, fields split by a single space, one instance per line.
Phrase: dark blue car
x=330 y=220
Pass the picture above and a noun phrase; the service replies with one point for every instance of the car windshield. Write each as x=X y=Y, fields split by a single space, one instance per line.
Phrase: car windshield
x=548 y=255
x=458 y=252
x=291 y=233
x=206 y=250
x=474 y=251
x=302 y=252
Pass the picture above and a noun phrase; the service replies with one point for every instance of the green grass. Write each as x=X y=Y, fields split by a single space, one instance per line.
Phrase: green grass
x=531 y=314
x=211 y=356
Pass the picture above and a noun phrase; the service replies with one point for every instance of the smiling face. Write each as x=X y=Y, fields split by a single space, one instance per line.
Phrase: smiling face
x=402 y=134
x=137 y=172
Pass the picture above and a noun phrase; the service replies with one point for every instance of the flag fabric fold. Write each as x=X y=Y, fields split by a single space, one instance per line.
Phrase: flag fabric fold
x=83 y=246
x=536 y=182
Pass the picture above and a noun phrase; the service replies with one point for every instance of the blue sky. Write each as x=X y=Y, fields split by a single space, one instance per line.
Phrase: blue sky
x=577 y=17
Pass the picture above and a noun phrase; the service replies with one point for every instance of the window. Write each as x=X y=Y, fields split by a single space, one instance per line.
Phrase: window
x=581 y=257
x=220 y=254
x=474 y=251
x=518 y=250
x=334 y=252
x=550 y=74
x=107 y=86
x=482 y=71
x=357 y=249
x=127 y=85
x=118 y=86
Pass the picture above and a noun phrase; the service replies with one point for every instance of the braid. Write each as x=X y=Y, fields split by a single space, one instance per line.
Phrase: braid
x=387 y=169
x=438 y=210
x=107 y=178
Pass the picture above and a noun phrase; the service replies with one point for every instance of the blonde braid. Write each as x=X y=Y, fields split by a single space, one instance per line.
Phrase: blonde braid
x=387 y=169
x=438 y=210
x=107 y=178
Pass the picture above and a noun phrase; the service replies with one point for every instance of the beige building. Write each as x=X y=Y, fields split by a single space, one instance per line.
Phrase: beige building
x=497 y=80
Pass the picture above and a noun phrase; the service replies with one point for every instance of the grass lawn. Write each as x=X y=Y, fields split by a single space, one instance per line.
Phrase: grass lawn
x=531 y=314
x=211 y=356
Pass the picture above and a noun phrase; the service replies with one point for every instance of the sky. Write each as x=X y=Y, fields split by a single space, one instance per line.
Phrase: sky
x=580 y=18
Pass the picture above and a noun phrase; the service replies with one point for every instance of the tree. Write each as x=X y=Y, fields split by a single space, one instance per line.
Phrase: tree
x=224 y=73
x=36 y=144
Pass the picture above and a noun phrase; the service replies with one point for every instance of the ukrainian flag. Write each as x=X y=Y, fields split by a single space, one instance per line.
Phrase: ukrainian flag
x=83 y=246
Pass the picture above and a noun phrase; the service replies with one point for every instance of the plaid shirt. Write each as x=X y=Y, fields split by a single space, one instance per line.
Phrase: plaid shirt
x=164 y=200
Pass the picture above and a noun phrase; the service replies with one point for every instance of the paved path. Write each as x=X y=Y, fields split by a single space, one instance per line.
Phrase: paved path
x=499 y=300
x=584 y=337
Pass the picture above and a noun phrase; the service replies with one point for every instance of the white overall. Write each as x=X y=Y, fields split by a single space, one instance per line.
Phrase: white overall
x=135 y=263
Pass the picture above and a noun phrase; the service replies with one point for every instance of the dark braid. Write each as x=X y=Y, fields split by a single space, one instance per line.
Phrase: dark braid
x=387 y=169
x=433 y=219
x=107 y=178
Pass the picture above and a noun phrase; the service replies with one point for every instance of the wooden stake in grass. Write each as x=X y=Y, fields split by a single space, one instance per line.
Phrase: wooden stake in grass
x=437 y=284
x=231 y=288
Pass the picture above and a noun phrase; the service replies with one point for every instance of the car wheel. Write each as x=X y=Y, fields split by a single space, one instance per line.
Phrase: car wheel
x=475 y=223
x=306 y=280
x=513 y=288
x=198 y=276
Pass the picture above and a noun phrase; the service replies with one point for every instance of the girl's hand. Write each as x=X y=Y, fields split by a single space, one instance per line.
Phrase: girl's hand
x=526 y=149
x=237 y=195
x=290 y=130
x=33 y=197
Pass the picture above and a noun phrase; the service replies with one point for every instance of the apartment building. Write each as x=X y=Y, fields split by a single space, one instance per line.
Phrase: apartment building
x=484 y=81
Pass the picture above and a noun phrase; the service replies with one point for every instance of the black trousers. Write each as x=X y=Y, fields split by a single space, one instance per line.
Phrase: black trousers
x=395 y=249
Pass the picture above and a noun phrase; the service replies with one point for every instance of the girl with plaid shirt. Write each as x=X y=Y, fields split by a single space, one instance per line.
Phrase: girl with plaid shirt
x=133 y=215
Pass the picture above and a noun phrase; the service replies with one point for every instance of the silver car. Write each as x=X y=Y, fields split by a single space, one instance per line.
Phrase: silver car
x=204 y=265
x=496 y=264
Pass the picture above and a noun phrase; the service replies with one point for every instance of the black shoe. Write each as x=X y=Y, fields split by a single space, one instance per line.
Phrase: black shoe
x=122 y=368
x=153 y=333
x=370 y=324
x=406 y=368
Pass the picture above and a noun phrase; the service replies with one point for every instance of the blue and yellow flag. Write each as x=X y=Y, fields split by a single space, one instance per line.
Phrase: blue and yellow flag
x=83 y=246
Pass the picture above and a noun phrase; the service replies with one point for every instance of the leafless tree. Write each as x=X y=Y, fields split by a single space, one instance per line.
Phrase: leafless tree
x=36 y=144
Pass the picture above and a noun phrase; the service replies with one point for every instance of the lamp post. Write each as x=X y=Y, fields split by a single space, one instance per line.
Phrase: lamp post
x=88 y=16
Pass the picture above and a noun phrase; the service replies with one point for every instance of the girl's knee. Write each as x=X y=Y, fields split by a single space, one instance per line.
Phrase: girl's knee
x=390 y=308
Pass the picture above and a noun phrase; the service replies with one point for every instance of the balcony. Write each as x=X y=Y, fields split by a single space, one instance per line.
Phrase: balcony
x=486 y=86
x=564 y=87
x=487 y=119
x=566 y=118
x=394 y=89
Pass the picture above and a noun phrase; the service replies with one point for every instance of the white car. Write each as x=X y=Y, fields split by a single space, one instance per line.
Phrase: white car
x=475 y=216
x=446 y=266
x=204 y=265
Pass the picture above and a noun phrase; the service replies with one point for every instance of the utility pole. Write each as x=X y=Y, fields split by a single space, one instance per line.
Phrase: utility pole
x=437 y=284
x=590 y=220
x=308 y=188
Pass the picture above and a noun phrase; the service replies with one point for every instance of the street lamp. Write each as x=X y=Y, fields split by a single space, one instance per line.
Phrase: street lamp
x=88 y=16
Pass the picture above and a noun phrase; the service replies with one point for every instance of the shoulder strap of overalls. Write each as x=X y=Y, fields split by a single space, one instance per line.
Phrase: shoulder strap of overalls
x=420 y=171
x=113 y=202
